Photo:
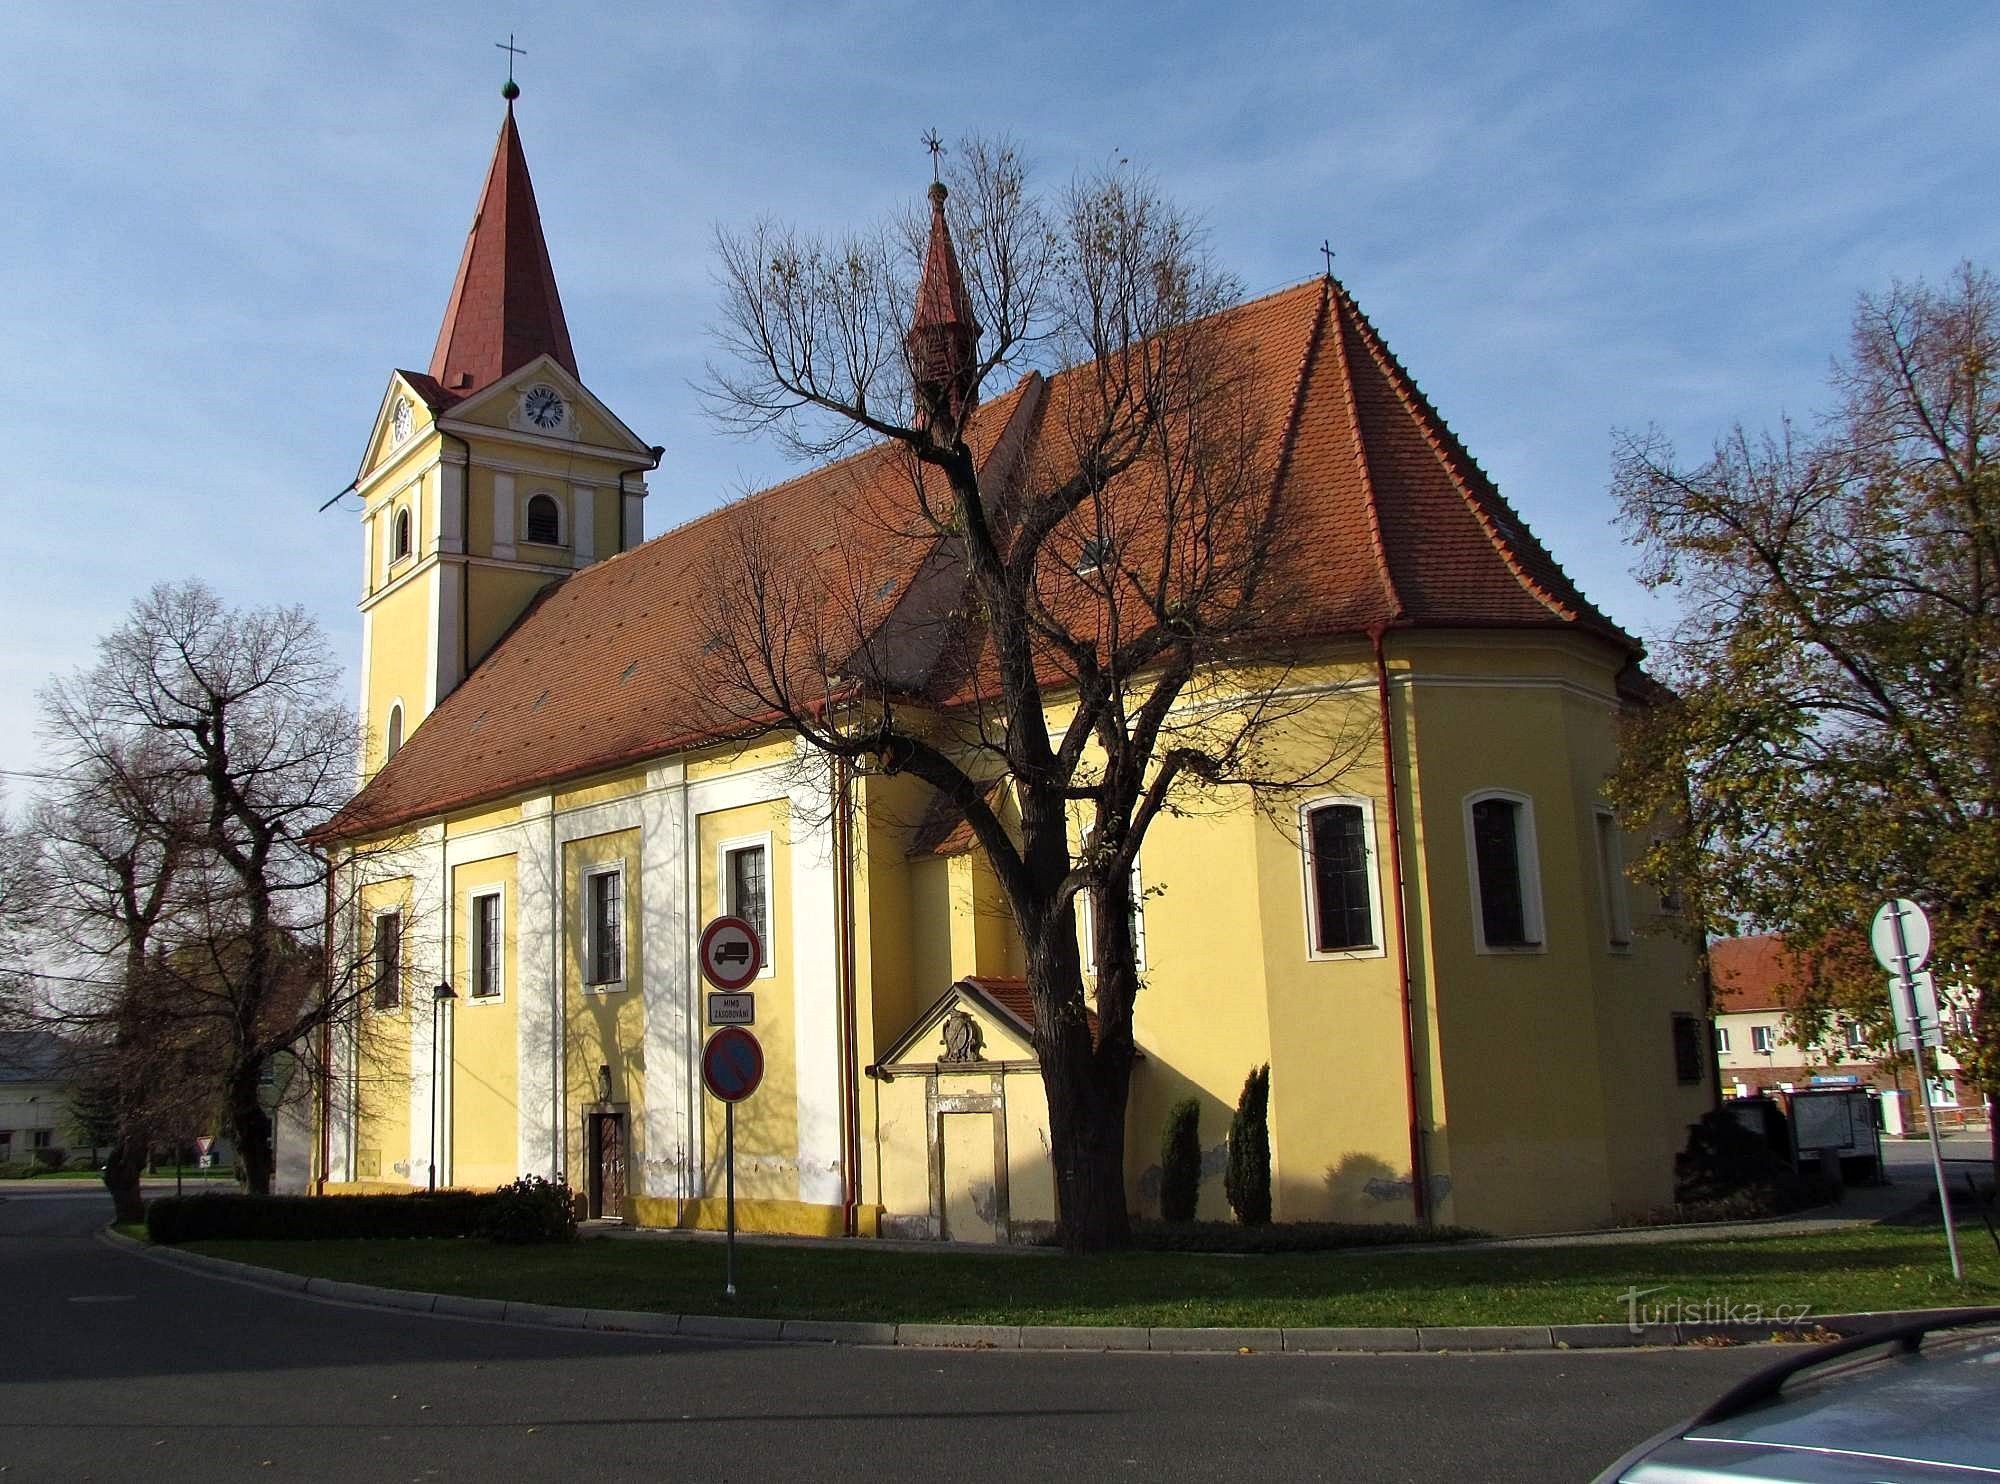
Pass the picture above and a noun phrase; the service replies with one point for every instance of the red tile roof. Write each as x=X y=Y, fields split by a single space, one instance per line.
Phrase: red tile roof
x=1387 y=524
x=1755 y=973
x=504 y=308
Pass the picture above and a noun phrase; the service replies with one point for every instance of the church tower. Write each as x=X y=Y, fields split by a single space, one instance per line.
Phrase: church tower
x=488 y=476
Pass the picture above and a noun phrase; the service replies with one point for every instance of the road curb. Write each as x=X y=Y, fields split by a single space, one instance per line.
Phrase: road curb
x=1175 y=1340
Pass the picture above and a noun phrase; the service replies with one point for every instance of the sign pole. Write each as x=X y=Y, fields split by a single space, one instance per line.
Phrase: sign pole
x=1924 y=1088
x=729 y=1161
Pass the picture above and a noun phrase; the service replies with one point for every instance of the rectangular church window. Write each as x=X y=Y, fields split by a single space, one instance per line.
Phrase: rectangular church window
x=386 y=955
x=486 y=967
x=604 y=933
x=1337 y=855
x=746 y=889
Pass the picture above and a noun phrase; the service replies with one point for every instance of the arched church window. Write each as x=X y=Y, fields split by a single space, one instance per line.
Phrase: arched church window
x=400 y=545
x=395 y=738
x=544 y=520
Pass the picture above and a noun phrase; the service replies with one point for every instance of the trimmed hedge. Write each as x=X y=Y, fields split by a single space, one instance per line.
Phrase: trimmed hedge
x=195 y=1218
x=1286 y=1236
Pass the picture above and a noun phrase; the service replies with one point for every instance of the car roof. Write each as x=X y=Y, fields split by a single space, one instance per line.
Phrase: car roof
x=1929 y=1413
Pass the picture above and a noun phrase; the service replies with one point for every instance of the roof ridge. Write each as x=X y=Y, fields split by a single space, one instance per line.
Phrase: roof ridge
x=1473 y=487
x=1369 y=499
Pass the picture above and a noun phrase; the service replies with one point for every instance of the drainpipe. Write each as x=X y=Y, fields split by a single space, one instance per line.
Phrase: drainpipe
x=326 y=1040
x=659 y=452
x=1419 y=1175
x=850 y=1094
x=559 y=1115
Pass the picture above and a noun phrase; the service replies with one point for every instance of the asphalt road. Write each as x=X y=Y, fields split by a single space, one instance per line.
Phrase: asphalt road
x=115 y=1367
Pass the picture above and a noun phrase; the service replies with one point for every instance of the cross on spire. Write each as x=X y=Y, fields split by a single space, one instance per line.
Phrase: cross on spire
x=935 y=145
x=1326 y=249
x=513 y=89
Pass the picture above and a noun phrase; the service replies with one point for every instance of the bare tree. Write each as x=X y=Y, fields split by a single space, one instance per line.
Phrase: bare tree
x=19 y=898
x=205 y=748
x=115 y=835
x=1080 y=625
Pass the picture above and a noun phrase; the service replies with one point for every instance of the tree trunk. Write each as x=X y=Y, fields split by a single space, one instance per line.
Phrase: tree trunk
x=250 y=1126
x=1088 y=1139
x=121 y=1176
x=1086 y=1093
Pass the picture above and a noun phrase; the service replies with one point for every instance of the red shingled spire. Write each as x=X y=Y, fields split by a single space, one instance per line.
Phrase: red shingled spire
x=943 y=332
x=504 y=308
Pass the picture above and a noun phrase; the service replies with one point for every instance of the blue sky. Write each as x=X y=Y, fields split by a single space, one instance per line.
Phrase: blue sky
x=222 y=225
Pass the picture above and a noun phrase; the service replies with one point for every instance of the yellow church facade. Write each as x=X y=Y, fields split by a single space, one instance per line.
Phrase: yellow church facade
x=1469 y=1015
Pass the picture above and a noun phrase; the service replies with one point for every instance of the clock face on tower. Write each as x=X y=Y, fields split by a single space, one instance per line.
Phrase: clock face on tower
x=543 y=407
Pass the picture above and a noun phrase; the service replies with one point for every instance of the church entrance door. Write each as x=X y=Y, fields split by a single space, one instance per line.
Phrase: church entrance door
x=607 y=1165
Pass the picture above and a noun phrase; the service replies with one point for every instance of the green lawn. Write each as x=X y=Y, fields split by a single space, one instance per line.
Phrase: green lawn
x=1832 y=1272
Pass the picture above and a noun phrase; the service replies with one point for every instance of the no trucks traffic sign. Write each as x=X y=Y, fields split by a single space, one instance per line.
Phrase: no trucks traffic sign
x=731 y=953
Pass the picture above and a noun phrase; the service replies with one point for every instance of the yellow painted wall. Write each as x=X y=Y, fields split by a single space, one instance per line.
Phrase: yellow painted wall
x=382 y=1051
x=767 y=1121
x=399 y=624
x=485 y=1038
x=1564 y=1125
x=623 y=786
x=604 y=1027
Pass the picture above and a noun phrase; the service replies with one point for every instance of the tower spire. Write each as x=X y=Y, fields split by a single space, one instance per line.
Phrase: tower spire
x=504 y=308
x=943 y=333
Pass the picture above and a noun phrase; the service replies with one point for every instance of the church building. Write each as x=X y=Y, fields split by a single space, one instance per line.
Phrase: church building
x=1470 y=1017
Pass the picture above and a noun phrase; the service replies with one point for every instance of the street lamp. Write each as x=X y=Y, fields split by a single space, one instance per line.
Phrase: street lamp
x=439 y=996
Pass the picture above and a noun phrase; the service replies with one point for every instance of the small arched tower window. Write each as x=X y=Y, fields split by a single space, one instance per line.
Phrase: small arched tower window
x=544 y=520
x=400 y=542
x=395 y=737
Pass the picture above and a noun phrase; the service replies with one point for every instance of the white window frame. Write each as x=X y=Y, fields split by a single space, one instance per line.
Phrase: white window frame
x=1939 y=1082
x=768 y=929
x=394 y=732
x=562 y=519
x=1854 y=1036
x=1309 y=887
x=1088 y=918
x=1527 y=853
x=588 y=937
x=1763 y=1039
x=497 y=892
x=1609 y=843
x=375 y=1004
x=1722 y=1040
x=398 y=512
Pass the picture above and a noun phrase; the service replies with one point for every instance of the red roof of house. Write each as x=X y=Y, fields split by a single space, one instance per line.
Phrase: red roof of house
x=1387 y=523
x=504 y=308
x=1755 y=973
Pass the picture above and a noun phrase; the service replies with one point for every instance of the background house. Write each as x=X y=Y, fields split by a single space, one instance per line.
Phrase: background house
x=1756 y=985
x=35 y=1118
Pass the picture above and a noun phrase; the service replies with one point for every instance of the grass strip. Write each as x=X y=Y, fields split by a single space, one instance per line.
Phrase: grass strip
x=1832 y=1272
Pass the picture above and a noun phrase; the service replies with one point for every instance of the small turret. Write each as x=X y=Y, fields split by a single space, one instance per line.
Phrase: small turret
x=943 y=334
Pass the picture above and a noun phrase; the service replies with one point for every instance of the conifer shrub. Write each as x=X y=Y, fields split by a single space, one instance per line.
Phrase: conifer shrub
x=530 y=1209
x=1247 y=1180
x=1180 y=1161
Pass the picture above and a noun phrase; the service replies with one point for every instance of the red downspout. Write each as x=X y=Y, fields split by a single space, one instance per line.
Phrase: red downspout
x=850 y=1096
x=1419 y=1176
x=326 y=1044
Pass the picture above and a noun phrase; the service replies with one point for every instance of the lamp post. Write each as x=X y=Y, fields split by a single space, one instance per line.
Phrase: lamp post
x=439 y=996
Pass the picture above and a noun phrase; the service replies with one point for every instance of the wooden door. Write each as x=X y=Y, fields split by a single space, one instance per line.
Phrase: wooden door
x=607 y=1165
